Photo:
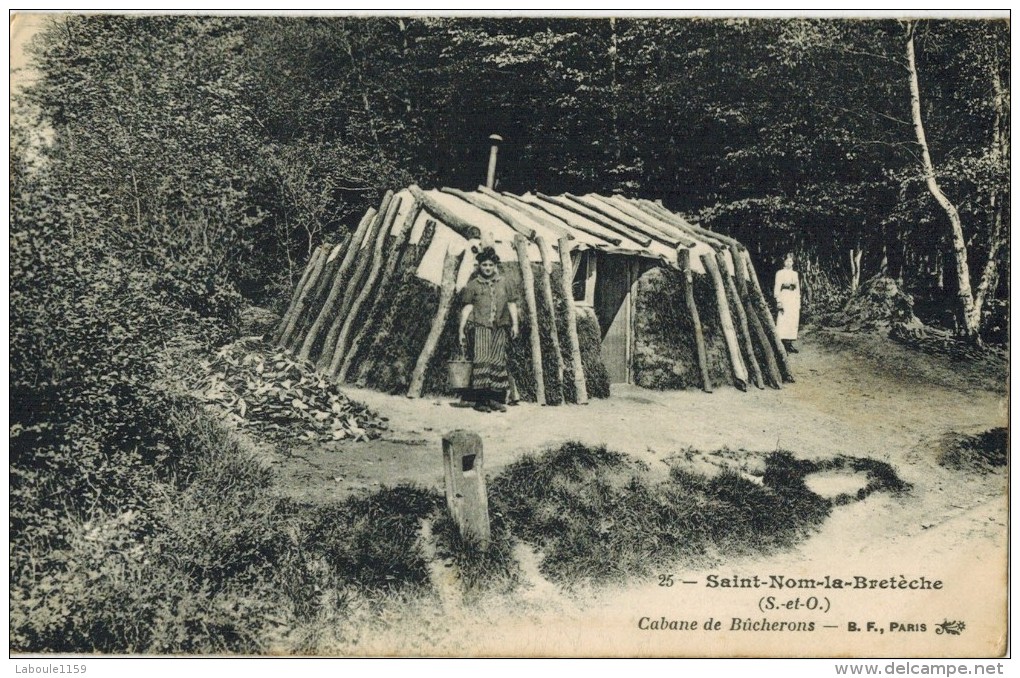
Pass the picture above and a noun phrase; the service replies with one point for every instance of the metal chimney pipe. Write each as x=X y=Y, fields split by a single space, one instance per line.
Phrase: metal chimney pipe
x=490 y=179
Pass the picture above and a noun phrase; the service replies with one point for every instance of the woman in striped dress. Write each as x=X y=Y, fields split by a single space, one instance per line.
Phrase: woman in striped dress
x=489 y=319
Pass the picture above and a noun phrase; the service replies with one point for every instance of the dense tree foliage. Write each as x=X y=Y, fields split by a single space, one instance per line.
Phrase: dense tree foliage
x=223 y=149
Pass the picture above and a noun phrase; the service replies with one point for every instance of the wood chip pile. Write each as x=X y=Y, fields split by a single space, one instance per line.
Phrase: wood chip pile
x=270 y=392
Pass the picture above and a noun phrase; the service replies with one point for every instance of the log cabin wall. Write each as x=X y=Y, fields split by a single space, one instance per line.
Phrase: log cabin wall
x=379 y=309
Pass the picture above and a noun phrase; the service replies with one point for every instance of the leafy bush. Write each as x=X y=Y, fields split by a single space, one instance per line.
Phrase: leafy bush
x=825 y=295
x=115 y=550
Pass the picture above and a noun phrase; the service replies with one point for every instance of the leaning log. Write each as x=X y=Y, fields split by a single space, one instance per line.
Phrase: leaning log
x=295 y=330
x=571 y=219
x=535 y=214
x=580 y=386
x=313 y=301
x=339 y=279
x=313 y=277
x=775 y=379
x=592 y=215
x=611 y=211
x=381 y=294
x=528 y=278
x=726 y=321
x=770 y=324
x=495 y=210
x=459 y=225
x=658 y=211
x=333 y=260
x=451 y=264
x=683 y=257
x=391 y=314
x=547 y=294
x=365 y=286
x=627 y=207
x=743 y=331
x=353 y=285
x=282 y=327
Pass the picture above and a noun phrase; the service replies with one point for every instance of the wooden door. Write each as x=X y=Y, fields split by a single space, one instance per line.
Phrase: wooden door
x=613 y=307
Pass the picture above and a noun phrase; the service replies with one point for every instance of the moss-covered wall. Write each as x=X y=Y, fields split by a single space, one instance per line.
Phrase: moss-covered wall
x=519 y=354
x=665 y=355
x=387 y=358
x=390 y=361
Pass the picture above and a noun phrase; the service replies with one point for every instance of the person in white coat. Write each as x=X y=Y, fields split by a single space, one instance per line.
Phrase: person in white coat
x=787 y=294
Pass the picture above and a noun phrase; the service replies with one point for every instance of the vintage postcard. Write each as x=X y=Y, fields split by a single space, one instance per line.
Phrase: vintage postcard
x=509 y=336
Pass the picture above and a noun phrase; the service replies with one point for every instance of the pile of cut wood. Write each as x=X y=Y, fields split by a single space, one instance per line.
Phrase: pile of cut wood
x=273 y=394
x=879 y=304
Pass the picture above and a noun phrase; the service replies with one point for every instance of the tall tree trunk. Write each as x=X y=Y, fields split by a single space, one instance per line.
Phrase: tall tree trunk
x=855 y=269
x=359 y=69
x=970 y=318
x=614 y=92
x=1000 y=147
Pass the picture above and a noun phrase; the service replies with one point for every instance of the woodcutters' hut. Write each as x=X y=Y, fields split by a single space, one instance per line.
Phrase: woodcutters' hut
x=614 y=290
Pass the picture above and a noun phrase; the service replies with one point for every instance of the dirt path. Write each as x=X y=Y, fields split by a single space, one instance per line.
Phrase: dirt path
x=855 y=395
x=862 y=396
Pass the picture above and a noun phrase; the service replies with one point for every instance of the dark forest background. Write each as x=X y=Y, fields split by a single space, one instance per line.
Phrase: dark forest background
x=219 y=151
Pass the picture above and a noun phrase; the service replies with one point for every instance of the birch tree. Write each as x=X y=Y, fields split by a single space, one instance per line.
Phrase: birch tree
x=970 y=303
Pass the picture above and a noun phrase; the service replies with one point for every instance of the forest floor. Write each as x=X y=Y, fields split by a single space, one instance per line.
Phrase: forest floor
x=858 y=395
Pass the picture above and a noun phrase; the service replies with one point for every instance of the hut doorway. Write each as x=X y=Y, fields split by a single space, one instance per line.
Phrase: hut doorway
x=614 y=307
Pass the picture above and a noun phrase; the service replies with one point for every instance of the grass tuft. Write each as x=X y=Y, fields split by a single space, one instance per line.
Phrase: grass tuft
x=372 y=542
x=984 y=452
x=492 y=570
x=599 y=516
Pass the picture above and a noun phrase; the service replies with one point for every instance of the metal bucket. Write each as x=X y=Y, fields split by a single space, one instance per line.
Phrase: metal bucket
x=459 y=373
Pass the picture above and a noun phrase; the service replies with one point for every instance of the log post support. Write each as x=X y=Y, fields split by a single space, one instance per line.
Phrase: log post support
x=451 y=264
x=547 y=294
x=726 y=322
x=766 y=314
x=683 y=257
x=282 y=327
x=743 y=331
x=466 y=498
x=580 y=385
x=528 y=278
x=338 y=284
